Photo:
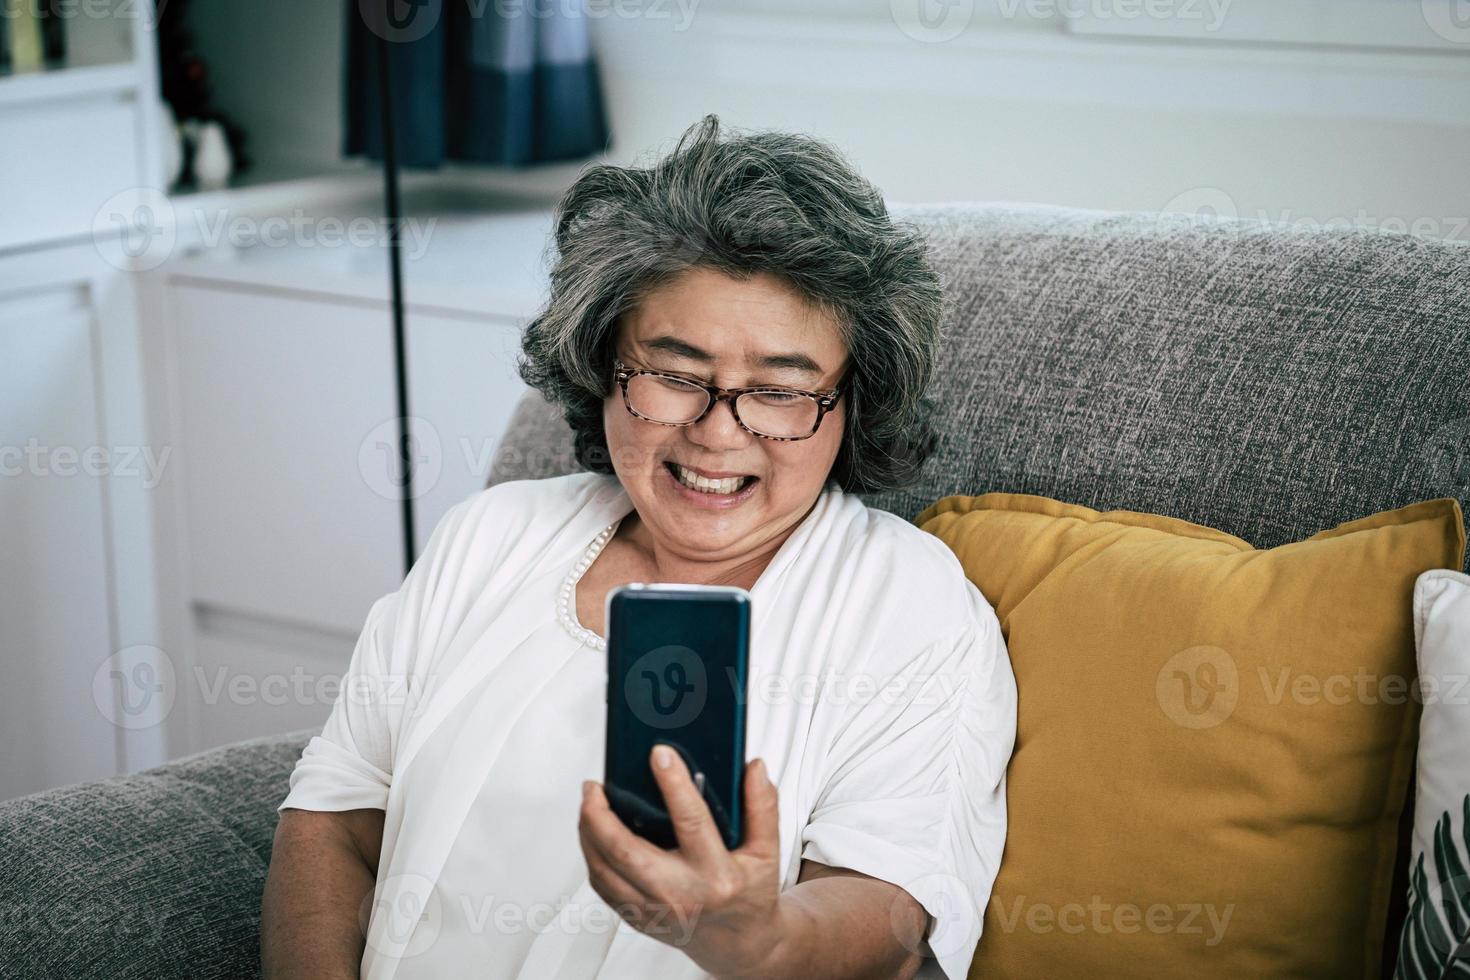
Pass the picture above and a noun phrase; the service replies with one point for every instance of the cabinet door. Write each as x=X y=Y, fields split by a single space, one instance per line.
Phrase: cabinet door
x=278 y=396
x=55 y=626
x=462 y=388
x=282 y=398
x=62 y=161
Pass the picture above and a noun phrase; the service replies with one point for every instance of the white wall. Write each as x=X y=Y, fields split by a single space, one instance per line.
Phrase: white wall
x=1239 y=114
x=276 y=68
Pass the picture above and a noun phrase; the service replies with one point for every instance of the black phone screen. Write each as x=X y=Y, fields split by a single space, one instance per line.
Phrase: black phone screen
x=676 y=674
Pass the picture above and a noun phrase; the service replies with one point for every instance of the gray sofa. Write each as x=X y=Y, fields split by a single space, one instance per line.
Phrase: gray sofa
x=1268 y=382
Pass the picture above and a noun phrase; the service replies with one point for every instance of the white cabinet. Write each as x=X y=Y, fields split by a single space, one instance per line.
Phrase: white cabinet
x=288 y=537
x=278 y=394
x=62 y=161
x=53 y=563
x=462 y=387
x=285 y=415
x=79 y=484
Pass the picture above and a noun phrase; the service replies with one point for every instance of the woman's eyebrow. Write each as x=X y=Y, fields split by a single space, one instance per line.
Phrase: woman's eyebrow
x=790 y=361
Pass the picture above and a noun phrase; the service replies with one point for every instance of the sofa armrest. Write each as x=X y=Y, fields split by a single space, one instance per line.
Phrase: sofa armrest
x=153 y=875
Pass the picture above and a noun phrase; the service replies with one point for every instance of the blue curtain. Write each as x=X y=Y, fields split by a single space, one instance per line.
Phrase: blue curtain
x=508 y=82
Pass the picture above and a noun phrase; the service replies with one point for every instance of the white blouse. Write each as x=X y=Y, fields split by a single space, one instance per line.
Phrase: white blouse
x=880 y=696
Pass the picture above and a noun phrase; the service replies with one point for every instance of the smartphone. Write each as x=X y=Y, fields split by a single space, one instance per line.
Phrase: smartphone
x=677 y=661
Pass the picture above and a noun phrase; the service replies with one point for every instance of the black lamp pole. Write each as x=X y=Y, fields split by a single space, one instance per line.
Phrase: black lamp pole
x=395 y=265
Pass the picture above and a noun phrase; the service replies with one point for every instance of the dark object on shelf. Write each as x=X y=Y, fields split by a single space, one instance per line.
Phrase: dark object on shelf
x=53 y=33
x=4 y=40
x=183 y=78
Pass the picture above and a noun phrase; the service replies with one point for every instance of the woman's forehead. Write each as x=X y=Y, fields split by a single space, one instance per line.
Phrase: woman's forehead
x=760 y=323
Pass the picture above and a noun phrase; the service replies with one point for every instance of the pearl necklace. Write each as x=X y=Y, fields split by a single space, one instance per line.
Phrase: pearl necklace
x=569 y=585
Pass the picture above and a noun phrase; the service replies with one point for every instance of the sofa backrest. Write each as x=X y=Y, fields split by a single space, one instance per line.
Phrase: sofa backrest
x=1267 y=381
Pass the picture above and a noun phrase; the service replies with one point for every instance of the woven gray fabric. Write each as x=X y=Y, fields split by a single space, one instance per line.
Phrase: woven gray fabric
x=153 y=875
x=1265 y=381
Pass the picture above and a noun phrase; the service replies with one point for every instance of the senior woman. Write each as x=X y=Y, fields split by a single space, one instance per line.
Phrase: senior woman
x=740 y=338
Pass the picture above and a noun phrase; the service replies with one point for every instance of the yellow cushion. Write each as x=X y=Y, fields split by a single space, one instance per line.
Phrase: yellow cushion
x=1213 y=742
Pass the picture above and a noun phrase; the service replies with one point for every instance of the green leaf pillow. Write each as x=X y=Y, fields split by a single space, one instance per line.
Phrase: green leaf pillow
x=1436 y=938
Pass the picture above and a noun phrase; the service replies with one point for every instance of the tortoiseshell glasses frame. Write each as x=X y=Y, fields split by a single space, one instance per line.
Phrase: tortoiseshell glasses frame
x=825 y=400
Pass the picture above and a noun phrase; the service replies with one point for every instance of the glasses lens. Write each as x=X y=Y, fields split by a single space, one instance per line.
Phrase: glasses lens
x=778 y=413
x=666 y=399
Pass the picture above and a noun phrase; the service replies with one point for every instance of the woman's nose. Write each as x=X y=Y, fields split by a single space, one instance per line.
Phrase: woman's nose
x=719 y=426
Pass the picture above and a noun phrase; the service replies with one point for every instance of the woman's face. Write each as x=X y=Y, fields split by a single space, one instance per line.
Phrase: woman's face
x=707 y=326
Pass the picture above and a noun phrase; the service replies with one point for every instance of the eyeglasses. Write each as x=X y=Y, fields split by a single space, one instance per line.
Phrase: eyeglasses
x=784 y=414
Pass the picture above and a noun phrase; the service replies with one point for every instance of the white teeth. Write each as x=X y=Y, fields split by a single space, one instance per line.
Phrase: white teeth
x=696 y=482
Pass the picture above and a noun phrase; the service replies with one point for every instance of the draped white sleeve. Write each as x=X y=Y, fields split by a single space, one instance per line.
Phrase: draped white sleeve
x=916 y=791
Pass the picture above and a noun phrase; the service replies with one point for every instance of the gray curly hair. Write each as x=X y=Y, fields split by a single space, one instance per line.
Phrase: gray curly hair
x=774 y=202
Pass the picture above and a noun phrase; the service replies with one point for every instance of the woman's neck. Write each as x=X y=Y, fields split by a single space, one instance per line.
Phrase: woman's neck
x=661 y=566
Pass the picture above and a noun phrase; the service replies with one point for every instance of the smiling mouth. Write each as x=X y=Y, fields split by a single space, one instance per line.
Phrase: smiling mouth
x=727 y=487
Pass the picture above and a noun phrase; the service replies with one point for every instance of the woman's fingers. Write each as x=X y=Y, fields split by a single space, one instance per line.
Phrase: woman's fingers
x=762 y=813
x=694 y=827
x=644 y=865
x=614 y=889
